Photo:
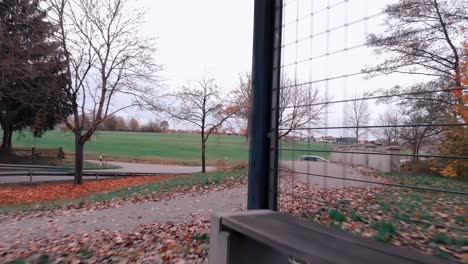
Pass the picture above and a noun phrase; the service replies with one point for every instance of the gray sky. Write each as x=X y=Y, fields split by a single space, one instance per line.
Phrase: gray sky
x=202 y=37
x=330 y=44
x=214 y=37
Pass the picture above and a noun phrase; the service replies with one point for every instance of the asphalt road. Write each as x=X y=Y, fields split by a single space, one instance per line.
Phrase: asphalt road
x=321 y=169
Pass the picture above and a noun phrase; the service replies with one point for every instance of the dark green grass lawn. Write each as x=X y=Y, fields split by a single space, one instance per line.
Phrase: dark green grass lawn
x=181 y=148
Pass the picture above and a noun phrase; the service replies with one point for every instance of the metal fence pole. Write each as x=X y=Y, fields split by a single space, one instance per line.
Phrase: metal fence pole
x=262 y=188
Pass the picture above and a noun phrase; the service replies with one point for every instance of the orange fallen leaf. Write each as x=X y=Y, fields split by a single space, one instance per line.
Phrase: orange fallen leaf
x=21 y=194
x=418 y=215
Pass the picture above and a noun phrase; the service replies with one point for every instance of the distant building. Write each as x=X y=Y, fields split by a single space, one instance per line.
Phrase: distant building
x=346 y=140
x=327 y=139
x=378 y=142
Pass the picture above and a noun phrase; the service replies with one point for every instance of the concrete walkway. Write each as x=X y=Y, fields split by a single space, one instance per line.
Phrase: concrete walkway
x=313 y=172
x=125 y=218
x=123 y=167
x=150 y=168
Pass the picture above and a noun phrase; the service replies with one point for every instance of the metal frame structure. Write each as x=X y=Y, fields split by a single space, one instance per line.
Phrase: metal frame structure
x=256 y=235
x=264 y=133
x=266 y=74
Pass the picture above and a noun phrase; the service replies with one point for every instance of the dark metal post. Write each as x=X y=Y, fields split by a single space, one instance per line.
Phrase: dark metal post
x=263 y=160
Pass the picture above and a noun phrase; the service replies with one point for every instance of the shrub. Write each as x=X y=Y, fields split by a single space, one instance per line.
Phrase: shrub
x=337 y=216
x=385 y=231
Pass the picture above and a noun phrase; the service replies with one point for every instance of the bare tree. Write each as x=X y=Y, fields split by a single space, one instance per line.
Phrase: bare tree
x=106 y=57
x=202 y=107
x=424 y=37
x=134 y=125
x=415 y=137
x=242 y=98
x=389 y=134
x=301 y=106
x=422 y=119
x=151 y=127
x=113 y=123
x=356 y=116
x=164 y=125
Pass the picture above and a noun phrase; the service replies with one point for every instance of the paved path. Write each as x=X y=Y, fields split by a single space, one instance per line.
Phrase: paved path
x=40 y=179
x=126 y=218
x=149 y=168
x=123 y=167
x=327 y=169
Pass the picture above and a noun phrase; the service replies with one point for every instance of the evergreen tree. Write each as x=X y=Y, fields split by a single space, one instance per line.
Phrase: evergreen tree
x=30 y=64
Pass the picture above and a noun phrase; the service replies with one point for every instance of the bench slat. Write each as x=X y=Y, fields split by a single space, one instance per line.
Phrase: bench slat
x=316 y=243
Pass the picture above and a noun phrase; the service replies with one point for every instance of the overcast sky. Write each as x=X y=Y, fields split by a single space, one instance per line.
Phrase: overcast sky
x=214 y=37
x=331 y=44
x=196 y=38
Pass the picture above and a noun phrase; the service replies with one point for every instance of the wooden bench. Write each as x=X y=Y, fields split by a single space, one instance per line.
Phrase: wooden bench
x=263 y=237
x=41 y=152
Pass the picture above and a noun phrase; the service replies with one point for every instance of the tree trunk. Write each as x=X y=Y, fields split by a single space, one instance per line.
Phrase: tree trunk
x=10 y=136
x=415 y=153
x=4 y=141
x=247 y=132
x=203 y=155
x=7 y=138
x=357 y=135
x=79 y=149
x=8 y=130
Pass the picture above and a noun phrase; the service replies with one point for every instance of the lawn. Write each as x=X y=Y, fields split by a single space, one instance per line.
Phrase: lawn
x=172 y=148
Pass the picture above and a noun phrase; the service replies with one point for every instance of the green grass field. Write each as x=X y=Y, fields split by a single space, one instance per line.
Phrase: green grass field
x=171 y=148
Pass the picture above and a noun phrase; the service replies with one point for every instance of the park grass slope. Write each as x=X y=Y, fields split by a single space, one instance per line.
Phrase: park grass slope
x=159 y=147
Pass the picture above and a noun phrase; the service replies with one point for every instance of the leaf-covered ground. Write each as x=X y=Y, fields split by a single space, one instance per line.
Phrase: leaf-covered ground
x=29 y=194
x=156 y=190
x=177 y=242
x=184 y=242
x=432 y=222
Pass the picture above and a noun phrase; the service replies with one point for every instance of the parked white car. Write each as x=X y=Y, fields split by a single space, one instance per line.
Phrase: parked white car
x=313 y=158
